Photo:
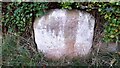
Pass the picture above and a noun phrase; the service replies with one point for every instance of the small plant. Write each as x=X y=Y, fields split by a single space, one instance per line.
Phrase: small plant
x=66 y=5
x=111 y=13
x=13 y=53
x=18 y=15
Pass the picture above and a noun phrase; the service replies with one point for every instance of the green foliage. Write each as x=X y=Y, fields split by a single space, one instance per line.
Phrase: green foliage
x=111 y=12
x=19 y=14
x=87 y=6
x=15 y=54
x=66 y=5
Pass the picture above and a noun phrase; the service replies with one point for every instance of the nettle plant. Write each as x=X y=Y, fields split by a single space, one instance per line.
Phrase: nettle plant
x=18 y=15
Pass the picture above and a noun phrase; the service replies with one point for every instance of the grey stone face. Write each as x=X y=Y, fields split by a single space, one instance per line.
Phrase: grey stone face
x=64 y=33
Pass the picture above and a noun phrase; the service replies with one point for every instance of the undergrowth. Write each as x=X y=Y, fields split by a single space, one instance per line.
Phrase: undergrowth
x=15 y=53
x=17 y=15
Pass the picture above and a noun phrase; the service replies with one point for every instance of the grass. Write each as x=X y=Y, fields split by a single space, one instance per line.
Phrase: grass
x=15 y=52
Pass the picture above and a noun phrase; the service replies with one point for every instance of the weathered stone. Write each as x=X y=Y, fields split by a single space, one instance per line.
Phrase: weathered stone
x=64 y=33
